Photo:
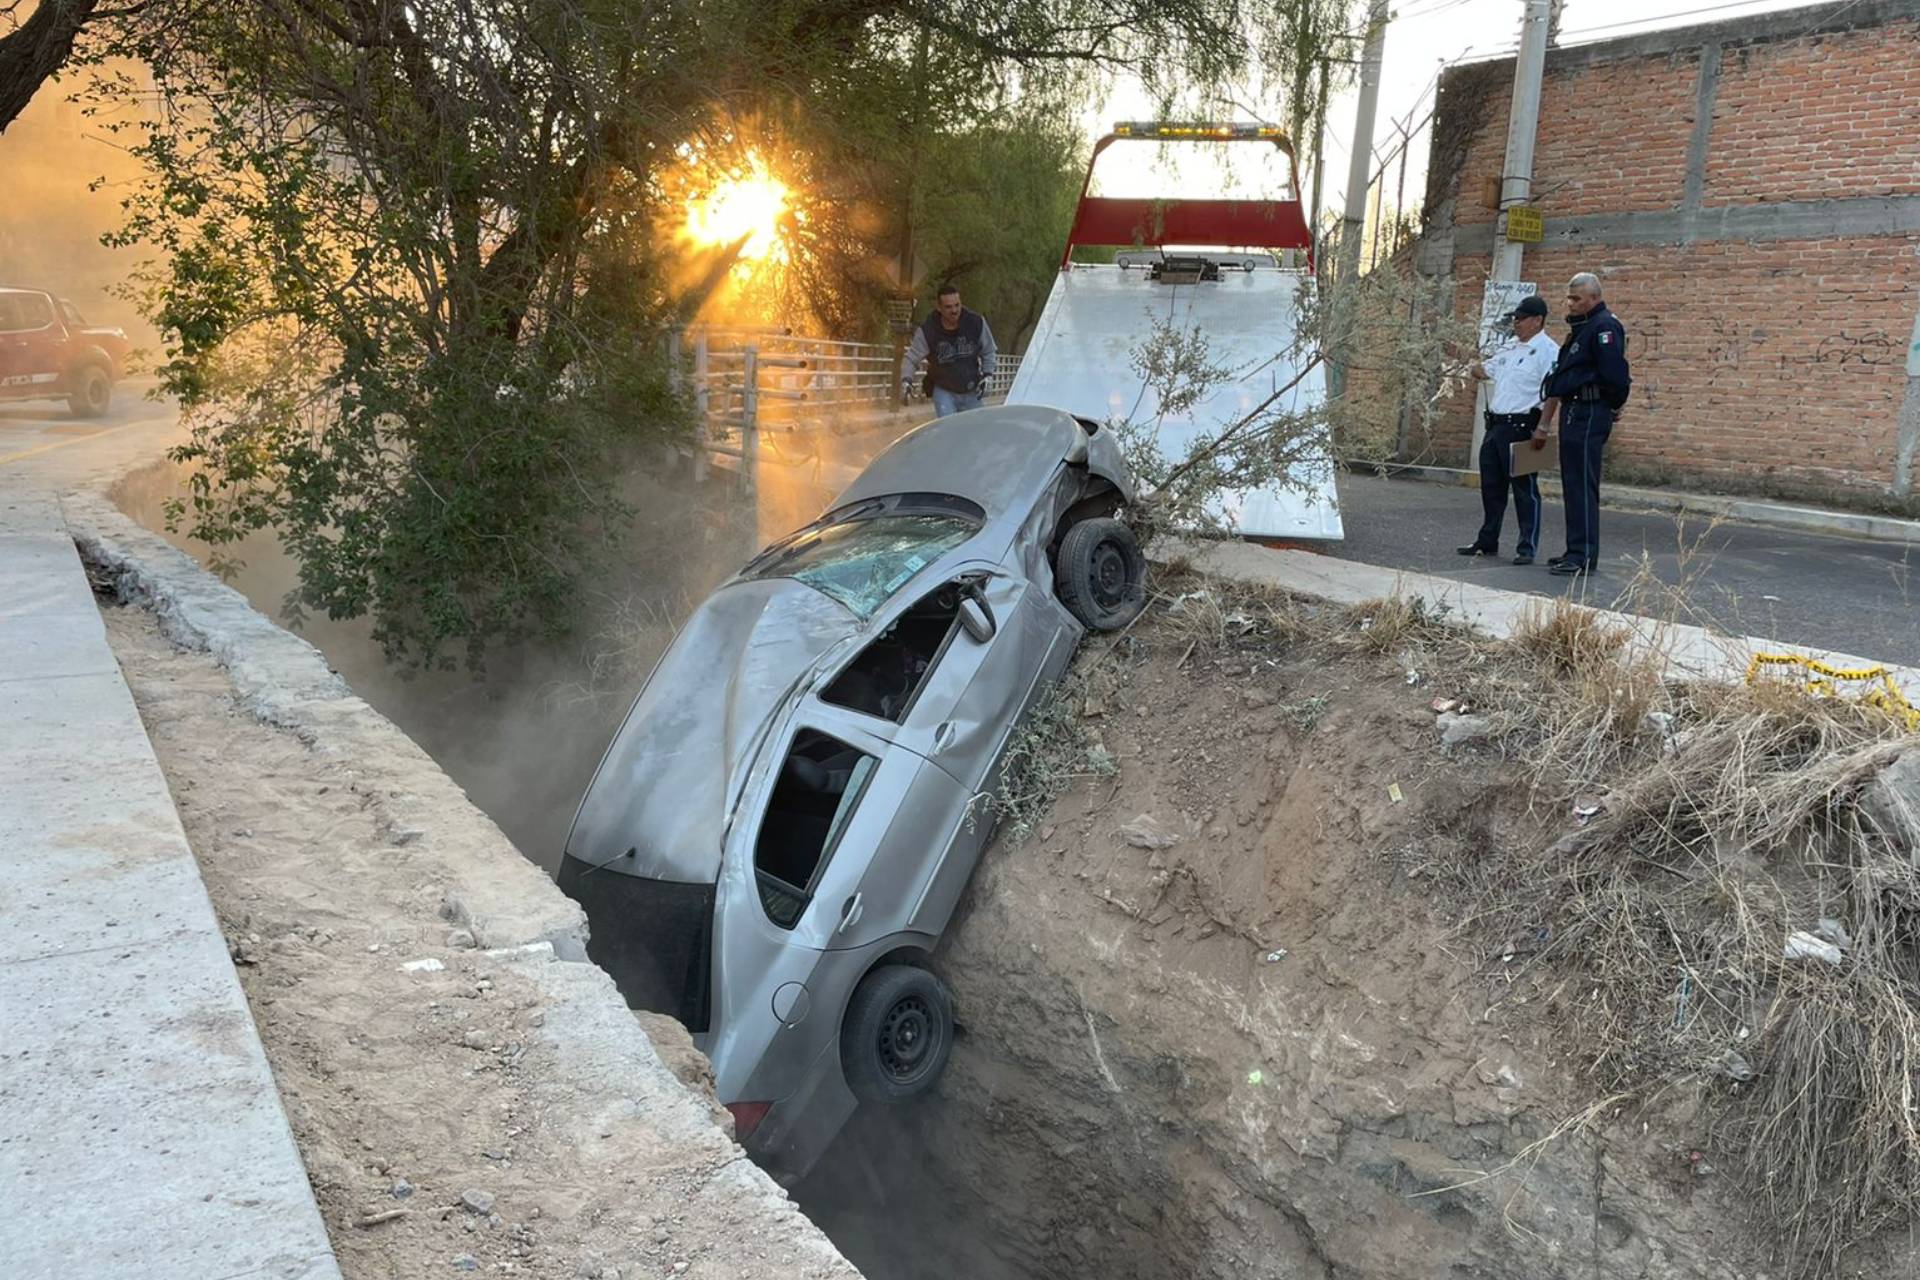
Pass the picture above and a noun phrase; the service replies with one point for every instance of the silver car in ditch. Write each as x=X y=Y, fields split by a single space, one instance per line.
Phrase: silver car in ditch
x=782 y=827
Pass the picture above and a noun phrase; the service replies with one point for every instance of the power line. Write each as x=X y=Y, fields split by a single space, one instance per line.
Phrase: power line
x=1684 y=13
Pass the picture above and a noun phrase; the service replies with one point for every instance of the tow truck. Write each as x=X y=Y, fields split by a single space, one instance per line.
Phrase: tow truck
x=1226 y=267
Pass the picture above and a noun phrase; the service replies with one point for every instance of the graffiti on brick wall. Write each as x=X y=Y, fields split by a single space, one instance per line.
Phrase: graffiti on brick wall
x=1728 y=342
x=1876 y=347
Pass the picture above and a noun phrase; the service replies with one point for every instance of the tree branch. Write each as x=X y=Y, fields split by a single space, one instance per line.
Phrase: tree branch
x=34 y=51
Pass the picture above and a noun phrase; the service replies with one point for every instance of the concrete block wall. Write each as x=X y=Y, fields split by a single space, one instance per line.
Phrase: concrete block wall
x=1749 y=191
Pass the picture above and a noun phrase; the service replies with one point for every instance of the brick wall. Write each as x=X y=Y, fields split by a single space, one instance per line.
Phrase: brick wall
x=1769 y=308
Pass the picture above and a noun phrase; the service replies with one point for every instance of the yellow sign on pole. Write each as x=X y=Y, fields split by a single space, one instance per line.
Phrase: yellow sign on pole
x=1524 y=225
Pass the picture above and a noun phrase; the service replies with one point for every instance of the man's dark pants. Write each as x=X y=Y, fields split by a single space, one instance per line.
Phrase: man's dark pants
x=1584 y=428
x=1497 y=478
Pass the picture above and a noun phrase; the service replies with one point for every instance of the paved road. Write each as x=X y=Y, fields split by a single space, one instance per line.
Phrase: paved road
x=1845 y=594
x=35 y=429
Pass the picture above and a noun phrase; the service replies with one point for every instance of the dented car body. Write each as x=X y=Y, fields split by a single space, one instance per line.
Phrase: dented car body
x=783 y=825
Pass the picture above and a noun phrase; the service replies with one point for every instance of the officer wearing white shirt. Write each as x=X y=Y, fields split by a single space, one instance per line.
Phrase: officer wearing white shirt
x=1513 y=411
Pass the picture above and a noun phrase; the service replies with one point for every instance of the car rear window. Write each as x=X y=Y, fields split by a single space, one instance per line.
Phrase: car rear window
x=24 y=311
x=865 y=555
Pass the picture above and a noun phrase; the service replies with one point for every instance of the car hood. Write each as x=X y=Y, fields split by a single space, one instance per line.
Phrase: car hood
x=666 y=783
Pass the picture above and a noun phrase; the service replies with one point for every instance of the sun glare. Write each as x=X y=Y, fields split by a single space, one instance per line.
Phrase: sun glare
x=747 y=205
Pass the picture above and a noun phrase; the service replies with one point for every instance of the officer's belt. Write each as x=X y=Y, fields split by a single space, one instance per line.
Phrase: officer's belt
x=1510 y=419
x=1589 y=392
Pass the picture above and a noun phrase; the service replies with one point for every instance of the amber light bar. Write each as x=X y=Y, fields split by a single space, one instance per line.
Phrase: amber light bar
x=1195 y=129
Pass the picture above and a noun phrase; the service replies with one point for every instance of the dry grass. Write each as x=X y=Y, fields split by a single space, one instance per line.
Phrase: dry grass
x=1733 y=818
x=1393 y=624
x=1730 y=817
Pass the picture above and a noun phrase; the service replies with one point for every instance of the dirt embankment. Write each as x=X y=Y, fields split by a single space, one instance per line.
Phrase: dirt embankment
x=1222 y=1019
x=457 y=1111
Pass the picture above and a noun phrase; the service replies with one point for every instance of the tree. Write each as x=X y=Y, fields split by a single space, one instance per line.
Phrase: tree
x=39 y=45
x=416 y=254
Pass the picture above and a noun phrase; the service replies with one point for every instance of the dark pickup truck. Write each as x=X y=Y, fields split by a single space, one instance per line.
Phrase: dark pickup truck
x=49 y=352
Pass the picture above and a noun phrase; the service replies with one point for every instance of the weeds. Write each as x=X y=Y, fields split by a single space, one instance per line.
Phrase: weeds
x=1051 y=751
x=1305 y=714
x=1736 y=818
x=1393 y=623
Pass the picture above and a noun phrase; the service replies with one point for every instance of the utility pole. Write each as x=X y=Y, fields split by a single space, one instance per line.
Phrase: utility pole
x=1523 y=120
x=1516 y=178
x=1359 y=167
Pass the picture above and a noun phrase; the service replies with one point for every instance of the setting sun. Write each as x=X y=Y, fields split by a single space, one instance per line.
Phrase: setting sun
x=750 y=204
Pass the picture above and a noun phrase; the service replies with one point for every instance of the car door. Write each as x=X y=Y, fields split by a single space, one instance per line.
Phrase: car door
x=970 y=700
x=968 y=709
x=875 y=850
x=34 y=342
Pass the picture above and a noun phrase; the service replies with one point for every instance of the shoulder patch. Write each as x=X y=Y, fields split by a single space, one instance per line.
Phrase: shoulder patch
x=1606 y=336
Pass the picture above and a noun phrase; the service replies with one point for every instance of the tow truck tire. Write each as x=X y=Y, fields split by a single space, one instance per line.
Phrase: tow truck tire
x=1101 y=574
x=92 y=392
x=897 y=1035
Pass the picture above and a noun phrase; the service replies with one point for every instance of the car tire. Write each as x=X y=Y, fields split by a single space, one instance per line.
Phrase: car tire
x=1101 y=574
x=92 y=392
x=897 y=1035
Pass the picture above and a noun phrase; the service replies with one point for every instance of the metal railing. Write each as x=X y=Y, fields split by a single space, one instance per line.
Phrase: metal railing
x=745 y=381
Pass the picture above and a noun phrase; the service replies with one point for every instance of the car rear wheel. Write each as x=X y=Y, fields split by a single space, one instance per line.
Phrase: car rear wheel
x=1101 y=573
x=92 y=392
x=897 y=1035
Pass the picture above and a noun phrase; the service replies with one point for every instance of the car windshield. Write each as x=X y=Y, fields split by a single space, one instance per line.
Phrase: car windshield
x=863 y=558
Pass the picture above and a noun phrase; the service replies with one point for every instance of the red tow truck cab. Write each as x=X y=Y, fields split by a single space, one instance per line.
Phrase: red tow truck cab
x=49 y=352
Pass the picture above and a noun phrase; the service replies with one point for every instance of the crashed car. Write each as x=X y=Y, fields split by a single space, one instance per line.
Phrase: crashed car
x=783 y=825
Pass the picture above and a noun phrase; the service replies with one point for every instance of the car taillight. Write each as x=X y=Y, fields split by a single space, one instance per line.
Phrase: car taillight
x=747 y=1117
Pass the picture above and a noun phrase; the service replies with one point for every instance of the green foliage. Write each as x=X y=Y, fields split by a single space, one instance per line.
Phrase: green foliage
x=1272 y=445
x=416 y=259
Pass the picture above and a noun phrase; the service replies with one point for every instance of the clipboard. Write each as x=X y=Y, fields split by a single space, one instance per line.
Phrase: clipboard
x=1525 y=460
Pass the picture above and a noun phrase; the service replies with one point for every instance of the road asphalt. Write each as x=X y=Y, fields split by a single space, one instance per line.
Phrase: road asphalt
x=1846 y=594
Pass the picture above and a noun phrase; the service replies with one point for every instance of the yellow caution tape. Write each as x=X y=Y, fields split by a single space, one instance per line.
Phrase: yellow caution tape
x=1825 y=678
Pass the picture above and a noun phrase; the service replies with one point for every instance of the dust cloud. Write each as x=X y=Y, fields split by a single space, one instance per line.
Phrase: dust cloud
x=53 y=215
x=523 y=735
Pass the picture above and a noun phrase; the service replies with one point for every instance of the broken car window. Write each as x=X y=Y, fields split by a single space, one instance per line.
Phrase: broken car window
x=886 y=675
x=813 y=798
x=862 y=561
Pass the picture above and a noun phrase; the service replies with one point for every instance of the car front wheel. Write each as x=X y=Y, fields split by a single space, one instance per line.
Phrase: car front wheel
x=897 y=1035
x=92 y=392
x=1101 y=573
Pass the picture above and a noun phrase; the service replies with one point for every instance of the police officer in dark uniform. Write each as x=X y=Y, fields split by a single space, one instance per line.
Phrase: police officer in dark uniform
x=1588 y=384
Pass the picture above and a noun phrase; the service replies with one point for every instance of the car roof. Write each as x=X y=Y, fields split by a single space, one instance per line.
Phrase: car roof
x=997 y=457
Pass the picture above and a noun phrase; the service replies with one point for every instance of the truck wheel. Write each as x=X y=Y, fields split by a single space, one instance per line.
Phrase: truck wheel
x=1101 y=574
x=92 y=392
x=897 y=1035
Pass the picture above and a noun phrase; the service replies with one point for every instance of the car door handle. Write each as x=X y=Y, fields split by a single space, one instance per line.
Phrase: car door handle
x=850 y=913
x=943 y=736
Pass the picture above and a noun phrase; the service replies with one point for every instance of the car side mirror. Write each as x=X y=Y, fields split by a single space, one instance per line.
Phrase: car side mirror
x=977 y=618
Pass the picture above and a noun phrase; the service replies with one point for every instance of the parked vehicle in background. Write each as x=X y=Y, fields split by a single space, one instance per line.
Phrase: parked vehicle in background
x=49 y=352
x=783 y=826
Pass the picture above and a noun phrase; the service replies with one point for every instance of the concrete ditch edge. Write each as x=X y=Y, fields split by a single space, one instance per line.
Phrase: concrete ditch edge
x=1688 y=652
x=606 y=1069
x=142 y=1133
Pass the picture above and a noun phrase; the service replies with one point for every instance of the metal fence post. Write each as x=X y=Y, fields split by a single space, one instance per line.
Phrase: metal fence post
x=700 y=408
x=750 y=416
